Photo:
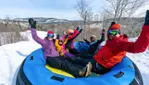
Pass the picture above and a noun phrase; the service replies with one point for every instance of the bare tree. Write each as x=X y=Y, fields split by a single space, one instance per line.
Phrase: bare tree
x=118 y=8
x=135 y=5
x=104 y=17
x=10 y=32
x=84 y=10
x=19 y=25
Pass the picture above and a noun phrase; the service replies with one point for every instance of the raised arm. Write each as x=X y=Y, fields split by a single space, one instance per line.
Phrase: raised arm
x=66 y=40
x=56 y=42
x=85 y=39
x=34 y=33
x=141 y=43
x=102 y=37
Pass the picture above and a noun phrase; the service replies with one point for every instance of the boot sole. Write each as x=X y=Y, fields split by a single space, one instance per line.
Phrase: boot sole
x=89 y=68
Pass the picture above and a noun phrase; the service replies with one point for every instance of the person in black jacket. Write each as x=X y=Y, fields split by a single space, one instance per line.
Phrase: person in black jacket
x=94 y=44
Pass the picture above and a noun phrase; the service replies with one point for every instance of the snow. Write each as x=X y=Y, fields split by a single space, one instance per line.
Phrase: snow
x=142 y=62
x=12 y=55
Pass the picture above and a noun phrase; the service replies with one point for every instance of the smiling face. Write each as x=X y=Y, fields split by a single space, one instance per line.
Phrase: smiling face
x=60 y=42
x=50 y=38
x=114 y=31
x=70 y=32
x=92 y=39
x=114 y=36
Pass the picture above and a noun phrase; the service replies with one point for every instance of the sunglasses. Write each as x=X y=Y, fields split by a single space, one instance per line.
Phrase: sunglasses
x=113 y=32
x=60 y=40
x=70 y=33
x=50 y=35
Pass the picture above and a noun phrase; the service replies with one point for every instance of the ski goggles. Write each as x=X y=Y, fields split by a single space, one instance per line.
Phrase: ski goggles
x=50 y=35
x=61 y=41
x=113 y=32
x=70 y=33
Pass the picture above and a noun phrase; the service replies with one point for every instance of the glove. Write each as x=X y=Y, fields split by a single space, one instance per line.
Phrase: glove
x=147 y=18
x=66 y=36
x=103 y=30
x=57 y=37
x=32 y=23
x=84 y=38
x=80 y=30
x=77 y=28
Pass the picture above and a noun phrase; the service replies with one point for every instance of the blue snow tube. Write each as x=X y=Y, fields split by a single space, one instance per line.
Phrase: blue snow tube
x=81 y=46
x=34 y=72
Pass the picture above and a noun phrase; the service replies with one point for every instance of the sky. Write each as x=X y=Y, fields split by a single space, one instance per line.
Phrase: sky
x=63 y=9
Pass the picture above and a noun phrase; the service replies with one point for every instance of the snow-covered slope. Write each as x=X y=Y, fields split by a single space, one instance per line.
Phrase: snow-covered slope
x=142 y=62
x=12 y=55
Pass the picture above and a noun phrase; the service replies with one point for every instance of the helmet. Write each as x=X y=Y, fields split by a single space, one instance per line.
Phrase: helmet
x=50 y=33
x=70 y=31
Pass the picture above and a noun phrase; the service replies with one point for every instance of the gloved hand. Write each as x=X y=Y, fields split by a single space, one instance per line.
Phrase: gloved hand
x=32 y=23
x=57 y=36
x=147 y=18
x=80 y=30
x=84 y=38
x=103 y=30
x=66 y=36
x=77 y=28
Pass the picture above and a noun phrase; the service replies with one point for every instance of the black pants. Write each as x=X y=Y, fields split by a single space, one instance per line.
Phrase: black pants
x=73 y=51
x=65 y=64
x=85 y=55
x=85 y=58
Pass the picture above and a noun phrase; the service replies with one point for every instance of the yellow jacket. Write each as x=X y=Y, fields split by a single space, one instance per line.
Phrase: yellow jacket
x=61 y=48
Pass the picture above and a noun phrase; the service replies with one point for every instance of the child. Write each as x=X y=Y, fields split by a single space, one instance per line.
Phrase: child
x=60 y=46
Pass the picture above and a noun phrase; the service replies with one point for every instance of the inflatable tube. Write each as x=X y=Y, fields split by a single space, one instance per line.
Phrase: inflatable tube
x=81 y=46
x=34 y=72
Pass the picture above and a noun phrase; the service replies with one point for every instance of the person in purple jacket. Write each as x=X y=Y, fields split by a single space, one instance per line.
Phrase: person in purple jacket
x=77 y=69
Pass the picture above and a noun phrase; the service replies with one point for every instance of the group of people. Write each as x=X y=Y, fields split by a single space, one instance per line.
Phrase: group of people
x=60 y=53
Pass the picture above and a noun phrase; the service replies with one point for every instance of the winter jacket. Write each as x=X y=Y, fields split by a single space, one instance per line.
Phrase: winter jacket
x=70 y=43
x=47 y=45
x=94 y=45
x=61 y=48
x=114 y=50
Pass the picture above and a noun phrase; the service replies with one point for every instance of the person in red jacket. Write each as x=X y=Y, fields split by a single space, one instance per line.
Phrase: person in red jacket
x=116 y=47
x=72 y=34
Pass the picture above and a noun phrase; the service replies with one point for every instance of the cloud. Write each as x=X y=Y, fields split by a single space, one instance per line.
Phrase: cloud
x=38 y=8
x=22 y=12
x=63 y=9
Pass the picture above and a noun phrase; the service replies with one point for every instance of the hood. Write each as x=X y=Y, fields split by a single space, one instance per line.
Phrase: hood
x=61 y=38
